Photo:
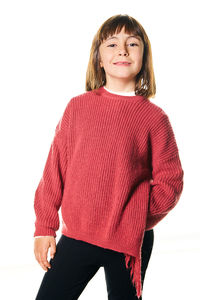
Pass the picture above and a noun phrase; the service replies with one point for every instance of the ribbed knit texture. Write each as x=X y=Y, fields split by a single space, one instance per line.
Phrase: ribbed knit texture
x=114 y=169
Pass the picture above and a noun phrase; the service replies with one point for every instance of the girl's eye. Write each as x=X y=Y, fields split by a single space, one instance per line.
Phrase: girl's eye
x=115 y=44
x=111 y=45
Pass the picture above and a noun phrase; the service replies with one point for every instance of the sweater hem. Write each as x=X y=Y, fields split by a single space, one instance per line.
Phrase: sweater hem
x=107 y=244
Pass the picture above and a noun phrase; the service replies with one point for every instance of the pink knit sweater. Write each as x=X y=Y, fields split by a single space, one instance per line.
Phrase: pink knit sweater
x=114 y=169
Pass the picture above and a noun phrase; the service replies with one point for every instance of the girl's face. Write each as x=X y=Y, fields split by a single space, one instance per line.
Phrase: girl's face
x=121 y=47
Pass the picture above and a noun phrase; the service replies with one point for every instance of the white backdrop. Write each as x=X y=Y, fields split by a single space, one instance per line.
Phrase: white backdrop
x=44 y=54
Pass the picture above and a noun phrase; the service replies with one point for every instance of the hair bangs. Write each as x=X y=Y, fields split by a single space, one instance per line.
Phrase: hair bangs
x=115 y=26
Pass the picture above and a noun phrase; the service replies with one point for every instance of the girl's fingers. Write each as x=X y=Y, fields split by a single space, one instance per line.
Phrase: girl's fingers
x=43 y=261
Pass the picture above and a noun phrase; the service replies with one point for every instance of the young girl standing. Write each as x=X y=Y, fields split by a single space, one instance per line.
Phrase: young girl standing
x=113 y=168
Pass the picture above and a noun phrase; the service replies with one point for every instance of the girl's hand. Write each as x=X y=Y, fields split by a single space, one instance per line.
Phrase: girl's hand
x=41 y=246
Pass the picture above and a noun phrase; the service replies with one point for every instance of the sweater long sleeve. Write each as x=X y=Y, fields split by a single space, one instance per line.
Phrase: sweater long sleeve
x=167 y=174
x=48 y=195
x=114 y=169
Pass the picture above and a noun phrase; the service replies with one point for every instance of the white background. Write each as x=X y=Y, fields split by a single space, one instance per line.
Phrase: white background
x=44 y=54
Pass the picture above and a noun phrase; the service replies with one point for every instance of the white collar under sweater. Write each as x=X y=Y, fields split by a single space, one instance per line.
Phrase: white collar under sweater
x=121 y=93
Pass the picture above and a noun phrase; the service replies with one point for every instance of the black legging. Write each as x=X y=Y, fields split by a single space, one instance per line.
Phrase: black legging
x=76 y=262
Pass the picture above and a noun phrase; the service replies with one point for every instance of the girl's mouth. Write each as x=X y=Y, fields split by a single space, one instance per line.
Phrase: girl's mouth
x=122 y=63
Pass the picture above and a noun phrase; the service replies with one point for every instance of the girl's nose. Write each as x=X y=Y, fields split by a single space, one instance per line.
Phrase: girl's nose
x=123 y=51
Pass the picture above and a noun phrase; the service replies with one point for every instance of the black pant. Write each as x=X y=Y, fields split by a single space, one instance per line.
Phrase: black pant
x=76 y=262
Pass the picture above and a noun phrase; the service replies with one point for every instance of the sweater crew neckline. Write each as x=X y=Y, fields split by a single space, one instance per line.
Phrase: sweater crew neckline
x=104 y=92
x=120 y=93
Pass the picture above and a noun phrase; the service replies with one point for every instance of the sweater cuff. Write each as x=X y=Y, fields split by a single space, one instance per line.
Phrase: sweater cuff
x=44 y=231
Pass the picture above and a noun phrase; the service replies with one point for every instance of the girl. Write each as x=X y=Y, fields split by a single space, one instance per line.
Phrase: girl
x=113 y=168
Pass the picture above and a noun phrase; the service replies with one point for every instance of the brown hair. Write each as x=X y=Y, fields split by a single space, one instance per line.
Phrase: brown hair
x=95 y=76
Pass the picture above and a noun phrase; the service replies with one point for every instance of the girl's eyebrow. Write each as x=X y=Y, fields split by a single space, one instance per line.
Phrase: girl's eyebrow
x=115 y=37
